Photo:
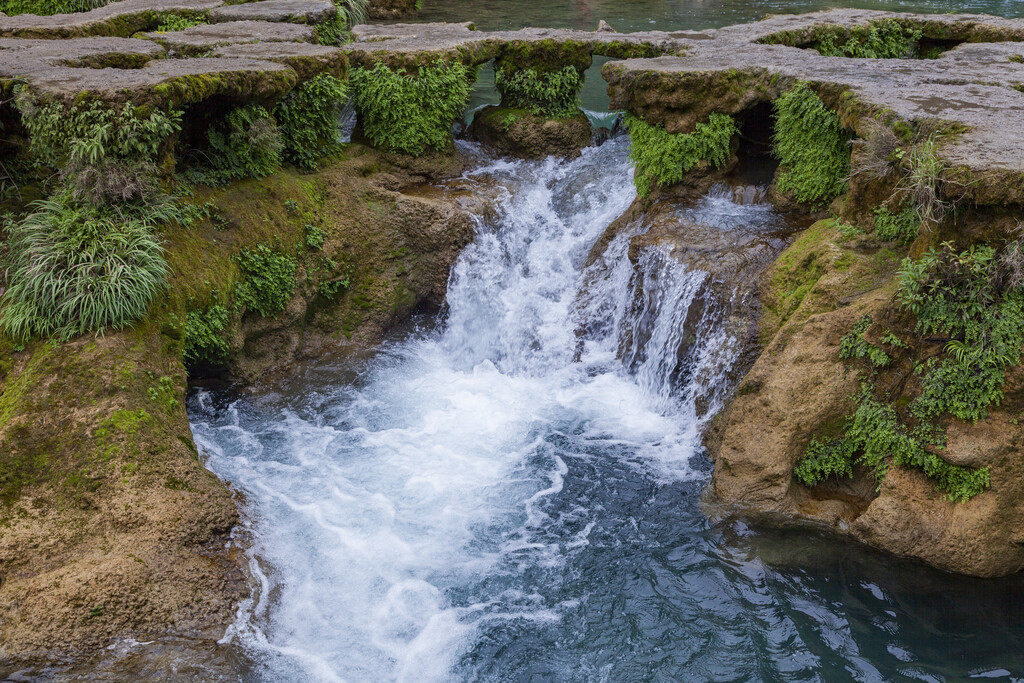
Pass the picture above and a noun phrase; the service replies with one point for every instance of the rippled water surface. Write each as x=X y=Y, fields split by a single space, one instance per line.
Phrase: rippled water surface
x=513 y=493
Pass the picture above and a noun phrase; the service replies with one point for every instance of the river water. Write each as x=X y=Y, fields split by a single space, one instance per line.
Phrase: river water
x=512 y=493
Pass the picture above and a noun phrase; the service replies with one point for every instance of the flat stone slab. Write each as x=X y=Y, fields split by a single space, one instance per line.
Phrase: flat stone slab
x=118 y=18
x=198 y=39
x=291 y=11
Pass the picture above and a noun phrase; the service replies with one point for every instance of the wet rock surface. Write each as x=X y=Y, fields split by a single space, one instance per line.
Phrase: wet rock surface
x=525 y=135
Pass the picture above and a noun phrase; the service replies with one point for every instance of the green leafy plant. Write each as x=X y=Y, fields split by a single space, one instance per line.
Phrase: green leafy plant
x=855 y=346
x=335 y=31
x=896 y=227
x=662 y=158
x=204 y=336
x=314 y=237
x=811 y=144
x=410 y=112
x=76 y=269
x=308 y=119
x=553 y=94
x=174 y=22
x=246 y=145
x=883 y=39
x=922 y=184
x=269 y=280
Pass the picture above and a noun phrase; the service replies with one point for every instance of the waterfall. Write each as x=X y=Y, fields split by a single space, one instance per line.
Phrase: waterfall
x=397 y=522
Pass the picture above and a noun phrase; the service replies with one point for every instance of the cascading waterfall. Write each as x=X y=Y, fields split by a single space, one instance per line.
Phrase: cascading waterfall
x=512 y=494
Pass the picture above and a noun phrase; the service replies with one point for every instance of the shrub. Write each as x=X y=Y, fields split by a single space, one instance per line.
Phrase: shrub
x=896 y=227
x=204 y=340
x=406 y=112
x=553 y=94
x=75 y=269
x=812 y=146
x=664 y=158
x=269 y=280
x=246 y=145
x=884 y=39
x=308 y=119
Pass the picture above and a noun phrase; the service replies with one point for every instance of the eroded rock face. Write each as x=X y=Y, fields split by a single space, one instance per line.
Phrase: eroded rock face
x=798 y=388
x=392 y=9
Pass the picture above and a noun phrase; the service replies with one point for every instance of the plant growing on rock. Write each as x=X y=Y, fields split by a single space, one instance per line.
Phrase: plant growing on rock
x=973 y=301
x=884 y=39
x=204 y=336
x=269 y=280
x=75 y=269
x=896 y=227
x=247 y=145
x=176 y=22
x=812 y=146
x=308 y=120
x=48 y=7
x=410 y=112
x=553 y=94
x=662 y=158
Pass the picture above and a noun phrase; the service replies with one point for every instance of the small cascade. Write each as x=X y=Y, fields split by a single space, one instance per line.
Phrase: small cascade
x=468 y=487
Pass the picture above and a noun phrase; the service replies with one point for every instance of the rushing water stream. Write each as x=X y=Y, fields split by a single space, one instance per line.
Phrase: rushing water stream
x=512 y=494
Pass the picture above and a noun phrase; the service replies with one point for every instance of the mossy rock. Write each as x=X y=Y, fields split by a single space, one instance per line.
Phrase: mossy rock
x=522 y=134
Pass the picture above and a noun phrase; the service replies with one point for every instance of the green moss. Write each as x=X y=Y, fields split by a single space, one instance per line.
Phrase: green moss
x=662 y=158
x=554 y=94
x=49 y=7
x=411 y=112
x=544 y=56
x=812 y=147
x=175 y=22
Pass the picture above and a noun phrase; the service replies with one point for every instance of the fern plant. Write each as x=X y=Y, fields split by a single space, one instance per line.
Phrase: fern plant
x=812 y=147
x=662 y=158
x=308 y=119
x=553 y=94
x=411 y=112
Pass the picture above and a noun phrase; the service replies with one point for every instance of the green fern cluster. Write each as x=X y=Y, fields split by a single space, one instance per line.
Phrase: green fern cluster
x=175 y=22
x=963 y=297
x=855 y=346
x=896 y=227
x=874 y=437
x=662 y=158
x=336 y=30
x=89 y=133
x=554 y=94
x=308 y=120
x=410 y=112
x=812 y=146
x=269 y=280
x=247 y=144
x=973 y=298
x=884 y=39
x=204 y=336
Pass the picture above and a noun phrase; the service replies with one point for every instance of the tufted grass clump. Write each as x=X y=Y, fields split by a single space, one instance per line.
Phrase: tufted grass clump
x=75 y=269
x=335 y=31
x=411 y=112
x=247 y=144
x=308 y=120
x=554 y=94
x=812 y=146
x=662 y=158
x=883 y=39
x=269 y=280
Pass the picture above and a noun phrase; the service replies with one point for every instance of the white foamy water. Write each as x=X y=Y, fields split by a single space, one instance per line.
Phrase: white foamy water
x=395 y=519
